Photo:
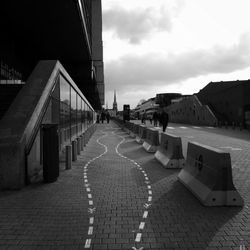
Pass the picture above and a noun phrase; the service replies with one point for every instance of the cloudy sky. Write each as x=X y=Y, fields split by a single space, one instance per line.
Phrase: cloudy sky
x=179 y=46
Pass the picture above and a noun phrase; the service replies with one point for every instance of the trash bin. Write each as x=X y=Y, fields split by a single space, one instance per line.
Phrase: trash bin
x=50 y=152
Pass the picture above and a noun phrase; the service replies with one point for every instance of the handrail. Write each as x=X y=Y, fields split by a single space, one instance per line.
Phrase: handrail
x=31 y=139
x=26 y=112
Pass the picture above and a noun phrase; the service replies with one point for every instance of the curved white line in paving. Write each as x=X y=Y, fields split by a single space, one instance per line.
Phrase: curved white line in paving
x=149 y=190
x=91 y=208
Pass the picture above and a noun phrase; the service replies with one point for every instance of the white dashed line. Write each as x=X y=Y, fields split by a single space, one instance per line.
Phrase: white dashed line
x=88 y=243
x=90 y=232
x=86 y=184
x=145 y=215
x=146 y=205
x=142 y=225
x=91 y=220
x=138 y=237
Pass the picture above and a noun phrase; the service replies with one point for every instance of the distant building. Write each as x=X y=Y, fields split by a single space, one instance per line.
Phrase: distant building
x=189 y=110
x=115 y=103
x=149 y=106
x=164 y=99
x=229 y=101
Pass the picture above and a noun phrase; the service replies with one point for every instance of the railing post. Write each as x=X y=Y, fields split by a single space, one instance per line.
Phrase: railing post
x=68 y=157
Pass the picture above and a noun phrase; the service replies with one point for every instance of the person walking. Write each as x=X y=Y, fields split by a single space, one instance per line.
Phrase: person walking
x=155 y=119
x=164 y=120
x=107 y=116
x=102 y=116
x=144 y=117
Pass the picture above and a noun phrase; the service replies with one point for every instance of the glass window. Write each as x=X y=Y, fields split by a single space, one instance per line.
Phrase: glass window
x=83 y=117
x=73 y=102
x=79 y=115
x=64 y=111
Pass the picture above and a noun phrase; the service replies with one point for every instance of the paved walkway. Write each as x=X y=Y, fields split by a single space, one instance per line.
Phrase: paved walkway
x=117 y=196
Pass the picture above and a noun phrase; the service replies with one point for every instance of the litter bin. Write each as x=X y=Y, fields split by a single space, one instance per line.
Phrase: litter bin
x=50 y=152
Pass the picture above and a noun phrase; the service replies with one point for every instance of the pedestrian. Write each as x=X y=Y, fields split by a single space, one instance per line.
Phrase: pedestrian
x=144 y=117
x=155 y=118
x=102 y=116
x=151 y=118
x=164 y=120
x=107 y=116
x=98 y=118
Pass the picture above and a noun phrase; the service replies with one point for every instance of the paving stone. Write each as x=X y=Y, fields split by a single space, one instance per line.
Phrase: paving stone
x=56 y=216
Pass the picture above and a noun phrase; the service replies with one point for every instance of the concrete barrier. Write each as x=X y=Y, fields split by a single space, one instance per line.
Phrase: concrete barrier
x=142 y=134
x=151 y=141
x=208 y=175
x=135 y=130
x=131 y=130
x=128 y=127
x=169 y=153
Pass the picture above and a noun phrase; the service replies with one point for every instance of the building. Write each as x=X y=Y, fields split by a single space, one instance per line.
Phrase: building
x=149 y=106
x=164 y=99
x=189 y=110
x=115 y=103
x=51 y=59
x=229 y=101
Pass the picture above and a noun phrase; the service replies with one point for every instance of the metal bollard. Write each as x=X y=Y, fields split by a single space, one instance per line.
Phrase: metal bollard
x=68 y=157
x=74 y=150
x=78 y=145
x=82 y=142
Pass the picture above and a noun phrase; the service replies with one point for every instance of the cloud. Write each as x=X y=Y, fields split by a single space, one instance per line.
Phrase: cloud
x=136 y=25
x=131 y=72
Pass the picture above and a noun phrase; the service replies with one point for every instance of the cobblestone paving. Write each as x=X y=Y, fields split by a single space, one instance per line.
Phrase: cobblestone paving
x=117 y=196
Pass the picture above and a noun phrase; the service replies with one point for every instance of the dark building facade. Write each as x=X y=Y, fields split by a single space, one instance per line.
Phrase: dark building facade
x=164 y=99
x=51 y=74
x=229 y=101
x=68 y=31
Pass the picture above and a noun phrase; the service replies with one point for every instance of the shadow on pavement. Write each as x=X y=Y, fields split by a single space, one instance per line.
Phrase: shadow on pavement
x=183 y=221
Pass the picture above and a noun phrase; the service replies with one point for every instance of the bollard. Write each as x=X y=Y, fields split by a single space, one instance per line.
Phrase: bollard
x=169 y=153
x=78 y=140
x=151 y=141
x=82 y=142
x=84 y=138
x=74 y=150
x=208 y=175
x=68 y=162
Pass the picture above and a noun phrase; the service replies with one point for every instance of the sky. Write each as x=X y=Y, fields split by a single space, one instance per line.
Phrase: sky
x=172 y=46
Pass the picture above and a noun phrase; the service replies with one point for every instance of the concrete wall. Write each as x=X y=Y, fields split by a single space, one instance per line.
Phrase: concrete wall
x=190 y=111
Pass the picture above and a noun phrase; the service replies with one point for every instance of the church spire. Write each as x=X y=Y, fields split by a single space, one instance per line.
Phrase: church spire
x=115 y=103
